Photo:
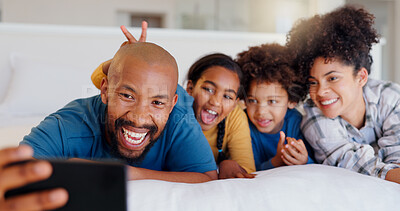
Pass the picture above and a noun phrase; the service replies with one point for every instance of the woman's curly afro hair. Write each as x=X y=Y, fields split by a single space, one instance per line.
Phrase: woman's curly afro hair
x=271 y=63
x=346 y=35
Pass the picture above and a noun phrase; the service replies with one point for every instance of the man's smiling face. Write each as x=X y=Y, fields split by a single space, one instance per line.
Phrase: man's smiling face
x=139 y=97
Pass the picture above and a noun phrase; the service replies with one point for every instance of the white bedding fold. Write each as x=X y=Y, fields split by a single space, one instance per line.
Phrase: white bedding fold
x=306 y=187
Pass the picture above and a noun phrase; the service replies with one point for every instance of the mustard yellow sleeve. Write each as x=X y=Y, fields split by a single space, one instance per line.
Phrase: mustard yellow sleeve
x=98 y=75
x=211 y=136
x=238 y=139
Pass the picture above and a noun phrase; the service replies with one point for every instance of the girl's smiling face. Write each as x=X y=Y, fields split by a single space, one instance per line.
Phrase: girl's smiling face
x=336 y=91
x=267 y=104
x=215 y=95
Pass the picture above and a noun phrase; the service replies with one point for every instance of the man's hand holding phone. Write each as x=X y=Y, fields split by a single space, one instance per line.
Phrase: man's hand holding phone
x=27 y=184
x=15 y=176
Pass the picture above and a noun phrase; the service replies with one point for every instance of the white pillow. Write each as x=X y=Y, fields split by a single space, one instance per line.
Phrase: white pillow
x=303 y=187
x=40 y=85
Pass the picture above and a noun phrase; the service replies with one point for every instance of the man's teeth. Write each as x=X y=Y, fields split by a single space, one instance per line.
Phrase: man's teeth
x=211 y=112
x=129 y=135
x=327 y=102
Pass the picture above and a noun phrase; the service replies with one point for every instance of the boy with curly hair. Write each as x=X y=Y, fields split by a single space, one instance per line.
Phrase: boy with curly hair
x=272 y=93
x=351 y=121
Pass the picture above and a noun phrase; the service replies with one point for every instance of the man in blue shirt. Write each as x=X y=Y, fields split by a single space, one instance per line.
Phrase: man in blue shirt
x=137 y=118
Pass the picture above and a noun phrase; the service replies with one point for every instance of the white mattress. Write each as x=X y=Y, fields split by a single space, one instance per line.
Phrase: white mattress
x=305 y=187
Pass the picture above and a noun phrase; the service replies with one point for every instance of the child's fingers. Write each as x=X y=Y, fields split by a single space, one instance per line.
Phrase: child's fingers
x=144 y=32
x=289 y=159
x=286 y=161
x=300 y=151
x=299 y=146
x=281 y=139
x=128 y=35
x=291 y=149
x=245 y=175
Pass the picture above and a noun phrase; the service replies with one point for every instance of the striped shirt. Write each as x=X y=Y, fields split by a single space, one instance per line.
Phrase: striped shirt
x=372 y=150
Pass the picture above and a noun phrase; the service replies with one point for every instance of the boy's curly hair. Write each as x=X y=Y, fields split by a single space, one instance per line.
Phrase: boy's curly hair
x=346 y=35
x=271 y=63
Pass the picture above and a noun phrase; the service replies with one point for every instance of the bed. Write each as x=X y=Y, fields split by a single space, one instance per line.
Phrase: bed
x=43 y=67
x=305 y=187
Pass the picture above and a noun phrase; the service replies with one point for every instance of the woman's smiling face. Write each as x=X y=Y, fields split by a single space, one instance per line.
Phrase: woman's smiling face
x=335 y=90
x=215 y=95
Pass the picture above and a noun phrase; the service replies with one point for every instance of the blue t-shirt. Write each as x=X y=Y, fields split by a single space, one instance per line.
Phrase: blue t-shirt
x=76 y=131
x=265 y=145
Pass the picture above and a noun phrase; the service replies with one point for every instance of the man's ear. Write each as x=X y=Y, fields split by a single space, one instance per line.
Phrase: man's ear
x=292 y=105
x=362 y=76
x=189 y=87
x=174 y=101
x=103 y=90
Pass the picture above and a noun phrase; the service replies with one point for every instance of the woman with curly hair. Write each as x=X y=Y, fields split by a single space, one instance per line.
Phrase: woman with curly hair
x=351 y=121
x=272 y=93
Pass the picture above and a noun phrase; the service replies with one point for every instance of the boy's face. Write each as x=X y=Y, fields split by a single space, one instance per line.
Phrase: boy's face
x=267 y=104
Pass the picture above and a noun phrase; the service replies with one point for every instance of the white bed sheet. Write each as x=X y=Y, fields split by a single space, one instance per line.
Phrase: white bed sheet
x=306 y=187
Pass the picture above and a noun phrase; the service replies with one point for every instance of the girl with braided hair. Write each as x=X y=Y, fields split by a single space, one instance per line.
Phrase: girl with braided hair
x=351 y=121
x=214 y=83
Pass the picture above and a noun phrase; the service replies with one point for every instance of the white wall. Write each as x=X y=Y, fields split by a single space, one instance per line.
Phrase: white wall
x=89 y=46
x=233 y=15
x=324 y=6
x=82 y=12
x=396 y=59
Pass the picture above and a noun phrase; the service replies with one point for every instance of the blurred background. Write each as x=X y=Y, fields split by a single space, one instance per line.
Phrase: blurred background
x=267 y=16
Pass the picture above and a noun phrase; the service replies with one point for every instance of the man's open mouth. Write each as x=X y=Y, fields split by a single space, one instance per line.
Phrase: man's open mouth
x=134 y=138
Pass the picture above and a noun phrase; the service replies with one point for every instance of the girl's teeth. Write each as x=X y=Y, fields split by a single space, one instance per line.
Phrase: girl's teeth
x=211 y=112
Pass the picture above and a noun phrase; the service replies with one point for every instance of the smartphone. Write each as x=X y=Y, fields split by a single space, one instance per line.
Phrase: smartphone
x=90 y=185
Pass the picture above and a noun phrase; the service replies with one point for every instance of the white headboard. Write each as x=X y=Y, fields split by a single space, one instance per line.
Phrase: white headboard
x=85 y=47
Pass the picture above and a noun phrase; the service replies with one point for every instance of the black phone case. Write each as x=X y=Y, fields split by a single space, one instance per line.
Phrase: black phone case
x=90 y=185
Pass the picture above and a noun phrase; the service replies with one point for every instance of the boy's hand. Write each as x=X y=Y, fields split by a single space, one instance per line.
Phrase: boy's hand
x=277 y=160
x=19 y=175
x=295 y=152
